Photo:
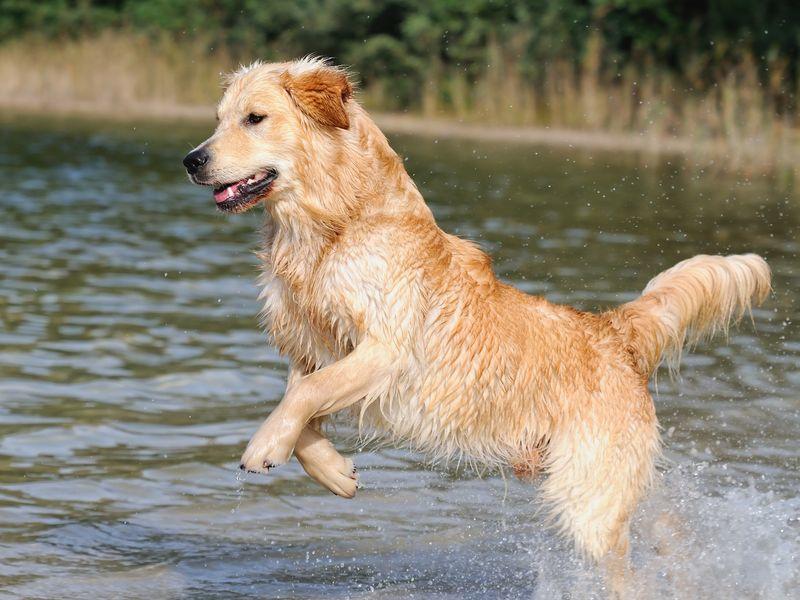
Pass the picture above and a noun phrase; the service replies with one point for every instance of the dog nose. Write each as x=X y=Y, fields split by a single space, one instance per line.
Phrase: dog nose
x=195 y=160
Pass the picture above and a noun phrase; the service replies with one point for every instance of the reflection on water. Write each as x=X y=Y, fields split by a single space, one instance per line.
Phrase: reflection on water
x=132 y=373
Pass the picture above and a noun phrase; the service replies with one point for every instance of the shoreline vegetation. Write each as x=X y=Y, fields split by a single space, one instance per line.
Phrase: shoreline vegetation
x=735 y=122
x=393 y=123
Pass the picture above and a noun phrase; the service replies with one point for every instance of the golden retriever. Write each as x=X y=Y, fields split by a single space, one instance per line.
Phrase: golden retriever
x=378 y=309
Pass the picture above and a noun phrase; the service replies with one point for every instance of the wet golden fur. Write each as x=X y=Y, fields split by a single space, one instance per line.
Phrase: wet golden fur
x=379 y=310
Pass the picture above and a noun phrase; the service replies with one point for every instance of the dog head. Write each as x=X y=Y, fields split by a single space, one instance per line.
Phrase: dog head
x=266 y=119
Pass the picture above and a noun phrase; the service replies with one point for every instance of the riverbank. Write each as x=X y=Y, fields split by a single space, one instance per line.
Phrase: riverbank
x=732 y=123
x=750 y=156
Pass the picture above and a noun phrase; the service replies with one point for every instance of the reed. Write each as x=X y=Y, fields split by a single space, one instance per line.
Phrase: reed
x=732 y=116
x=112 y=71
x=736 y=115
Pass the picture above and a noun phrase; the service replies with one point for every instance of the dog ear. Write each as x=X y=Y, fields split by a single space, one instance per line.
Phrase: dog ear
x=321 y=93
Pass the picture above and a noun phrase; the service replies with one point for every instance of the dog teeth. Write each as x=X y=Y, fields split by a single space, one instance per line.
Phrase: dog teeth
x=257 y=177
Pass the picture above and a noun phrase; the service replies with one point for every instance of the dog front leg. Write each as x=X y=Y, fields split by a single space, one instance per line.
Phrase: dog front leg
x=319 y=458
x=320 y=393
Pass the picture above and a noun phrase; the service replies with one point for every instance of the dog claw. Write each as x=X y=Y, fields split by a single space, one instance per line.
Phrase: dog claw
x=246 y=470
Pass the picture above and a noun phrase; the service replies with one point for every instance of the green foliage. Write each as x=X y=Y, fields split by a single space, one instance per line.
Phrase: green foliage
x=401 y=43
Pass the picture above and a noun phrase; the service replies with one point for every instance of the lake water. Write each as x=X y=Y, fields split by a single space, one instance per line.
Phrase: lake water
x=133 y=371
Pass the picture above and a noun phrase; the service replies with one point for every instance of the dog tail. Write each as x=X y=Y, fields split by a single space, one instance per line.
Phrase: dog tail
x=693 y=300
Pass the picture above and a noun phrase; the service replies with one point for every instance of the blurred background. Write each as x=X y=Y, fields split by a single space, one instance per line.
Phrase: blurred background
x=585 y=145
x=721 y=75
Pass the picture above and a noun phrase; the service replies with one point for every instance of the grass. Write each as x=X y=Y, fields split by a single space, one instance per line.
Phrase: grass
x=737 y=118
x=110 y=72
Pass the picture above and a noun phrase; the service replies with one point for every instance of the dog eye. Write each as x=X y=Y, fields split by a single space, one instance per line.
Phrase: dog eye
x=254 y=119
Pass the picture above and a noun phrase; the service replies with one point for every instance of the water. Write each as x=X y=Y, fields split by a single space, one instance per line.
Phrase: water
x=132 y=373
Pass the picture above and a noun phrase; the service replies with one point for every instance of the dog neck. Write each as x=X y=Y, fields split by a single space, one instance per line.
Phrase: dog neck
x=346 y=176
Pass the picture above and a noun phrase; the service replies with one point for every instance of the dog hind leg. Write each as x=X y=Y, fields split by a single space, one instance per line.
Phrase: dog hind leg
x=595 y=479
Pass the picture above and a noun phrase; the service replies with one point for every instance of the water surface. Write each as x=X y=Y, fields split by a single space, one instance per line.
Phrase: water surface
x=132 y=373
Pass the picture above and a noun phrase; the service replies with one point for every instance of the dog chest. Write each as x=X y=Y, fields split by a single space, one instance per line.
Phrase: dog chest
x=311 y=331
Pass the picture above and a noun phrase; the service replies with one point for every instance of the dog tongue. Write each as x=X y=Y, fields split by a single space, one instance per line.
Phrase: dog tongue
x=228 y=192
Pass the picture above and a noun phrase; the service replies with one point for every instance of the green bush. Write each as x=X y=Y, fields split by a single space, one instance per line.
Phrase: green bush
x=401 y=44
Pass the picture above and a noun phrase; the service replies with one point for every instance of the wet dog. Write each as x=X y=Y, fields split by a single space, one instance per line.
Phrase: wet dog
x=380 y=311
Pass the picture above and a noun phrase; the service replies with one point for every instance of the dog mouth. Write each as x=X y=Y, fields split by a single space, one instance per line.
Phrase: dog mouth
x=241 y=195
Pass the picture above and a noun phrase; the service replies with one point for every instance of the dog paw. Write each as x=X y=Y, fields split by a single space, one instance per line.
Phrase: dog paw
x=340 y=476
x=325 y=465
x=261 y=455
x=272 y=444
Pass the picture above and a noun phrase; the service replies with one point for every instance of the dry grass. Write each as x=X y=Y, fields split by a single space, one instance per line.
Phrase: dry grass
x=735 y=118
x=734 y=121
x=110 y=72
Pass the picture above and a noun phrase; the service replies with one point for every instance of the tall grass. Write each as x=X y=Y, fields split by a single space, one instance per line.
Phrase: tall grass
x=733 y=116
x=737 y=115
x=110 y=72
